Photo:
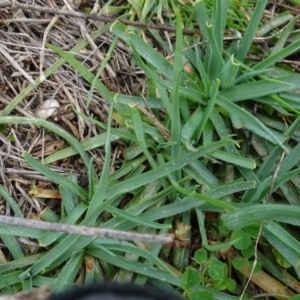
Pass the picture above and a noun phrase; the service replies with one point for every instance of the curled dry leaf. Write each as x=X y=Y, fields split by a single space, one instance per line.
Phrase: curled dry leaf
x=47 y=109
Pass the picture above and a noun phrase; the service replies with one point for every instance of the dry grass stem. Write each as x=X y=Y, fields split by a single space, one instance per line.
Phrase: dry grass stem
x=87 y=231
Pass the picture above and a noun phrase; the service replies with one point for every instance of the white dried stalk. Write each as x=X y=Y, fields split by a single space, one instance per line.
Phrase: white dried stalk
x=87 y=231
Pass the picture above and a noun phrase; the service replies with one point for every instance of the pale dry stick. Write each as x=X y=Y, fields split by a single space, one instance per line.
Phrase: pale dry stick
x=50 y=25
x=43 y=145
x=86 y=231
x=23 y=20
x=113 y=160
x=290 y=62
x=15 y=64
x=27 y=174
x=2 y=176
x=261 y=225
x=47 y=30
x=96 y=7
x=167 y=36
x=254 y=263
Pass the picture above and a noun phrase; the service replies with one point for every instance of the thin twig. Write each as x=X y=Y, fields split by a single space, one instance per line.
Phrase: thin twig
x=45 y=35
x=254 y=263
x=261 y=225
x=87 y=231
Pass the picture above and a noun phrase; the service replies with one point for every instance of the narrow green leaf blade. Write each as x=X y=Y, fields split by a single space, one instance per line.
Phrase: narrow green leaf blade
x=260 y=213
